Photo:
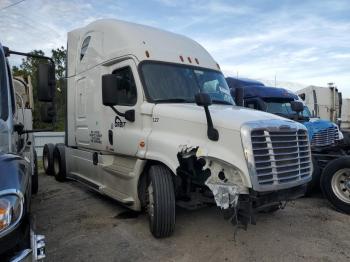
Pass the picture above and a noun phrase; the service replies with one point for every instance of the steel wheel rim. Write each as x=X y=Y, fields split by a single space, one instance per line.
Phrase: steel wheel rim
x=150 y=206
x=46 y=162
x=341 y=184
x=56 y=166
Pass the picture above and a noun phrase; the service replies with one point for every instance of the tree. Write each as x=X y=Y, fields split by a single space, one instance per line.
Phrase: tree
x=28 y=67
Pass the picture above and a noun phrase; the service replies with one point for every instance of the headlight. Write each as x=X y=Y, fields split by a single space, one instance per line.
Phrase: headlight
x=11 y=210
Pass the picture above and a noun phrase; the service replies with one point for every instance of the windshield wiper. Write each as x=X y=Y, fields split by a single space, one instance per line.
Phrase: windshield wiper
x=173 y=100
x=221 y=102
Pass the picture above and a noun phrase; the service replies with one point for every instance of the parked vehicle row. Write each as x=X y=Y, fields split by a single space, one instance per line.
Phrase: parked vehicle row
x=151 y=122
x=329 y=153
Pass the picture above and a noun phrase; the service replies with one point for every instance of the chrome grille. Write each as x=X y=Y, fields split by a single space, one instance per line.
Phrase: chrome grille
x=325 y=137
x=280 y=156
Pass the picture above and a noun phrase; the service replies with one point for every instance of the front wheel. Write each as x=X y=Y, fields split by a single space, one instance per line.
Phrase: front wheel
x=160 y=201
x=335 y=183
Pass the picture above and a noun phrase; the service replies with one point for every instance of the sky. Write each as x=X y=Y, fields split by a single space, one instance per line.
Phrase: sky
x=302 y=42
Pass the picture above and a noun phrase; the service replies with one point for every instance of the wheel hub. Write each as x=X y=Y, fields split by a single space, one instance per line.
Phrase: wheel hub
x=347 y=184
x=341 y=184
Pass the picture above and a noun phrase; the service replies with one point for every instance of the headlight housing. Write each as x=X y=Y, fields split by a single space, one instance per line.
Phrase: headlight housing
x=11 y=210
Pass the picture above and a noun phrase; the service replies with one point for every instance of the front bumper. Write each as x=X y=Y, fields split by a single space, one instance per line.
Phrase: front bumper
x=262 y=200
x=22 y=244
x=36 y=252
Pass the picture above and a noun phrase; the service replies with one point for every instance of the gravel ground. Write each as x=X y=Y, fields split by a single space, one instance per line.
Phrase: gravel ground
x=81 y=225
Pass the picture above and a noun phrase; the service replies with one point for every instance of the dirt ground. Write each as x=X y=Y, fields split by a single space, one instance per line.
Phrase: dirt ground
x=81 y=225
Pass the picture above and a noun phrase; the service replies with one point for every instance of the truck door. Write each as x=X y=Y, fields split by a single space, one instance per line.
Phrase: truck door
x=126 y=135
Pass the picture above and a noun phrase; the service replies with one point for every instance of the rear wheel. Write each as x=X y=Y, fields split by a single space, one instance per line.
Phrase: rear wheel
x=335 y=183
x=35 y=178
x=48 y=158
x=160 y=201
x=59 y=163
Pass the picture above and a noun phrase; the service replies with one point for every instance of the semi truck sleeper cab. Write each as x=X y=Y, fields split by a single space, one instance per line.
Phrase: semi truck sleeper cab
x=151 y=123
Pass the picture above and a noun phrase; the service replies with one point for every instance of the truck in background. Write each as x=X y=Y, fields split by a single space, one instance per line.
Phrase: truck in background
x=18 y=165
x=151 y=123
x=324 y=102
x=329 y=154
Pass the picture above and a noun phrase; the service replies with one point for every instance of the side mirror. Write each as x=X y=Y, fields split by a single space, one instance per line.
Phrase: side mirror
x=110 y=86
x=110 y=90
x=46 y=82
x=297 y=106
x=48 y=112
x=239 y=96
x=203 y=99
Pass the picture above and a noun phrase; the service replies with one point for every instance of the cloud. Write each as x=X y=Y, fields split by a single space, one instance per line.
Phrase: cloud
x=298 y=41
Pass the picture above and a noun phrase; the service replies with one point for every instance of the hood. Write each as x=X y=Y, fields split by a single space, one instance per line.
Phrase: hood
x=223 y=116
x=13 y=173
x=315 y=125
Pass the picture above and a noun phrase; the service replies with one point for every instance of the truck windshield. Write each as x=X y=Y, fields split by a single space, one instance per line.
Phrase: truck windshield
x=171 y=83
x=284 y=109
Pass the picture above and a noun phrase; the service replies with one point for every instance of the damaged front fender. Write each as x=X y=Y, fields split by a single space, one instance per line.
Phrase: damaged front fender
x=225 y=182
x=223 y=179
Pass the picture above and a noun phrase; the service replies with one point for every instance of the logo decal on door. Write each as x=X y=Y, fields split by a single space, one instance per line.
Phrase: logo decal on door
x=118 y=122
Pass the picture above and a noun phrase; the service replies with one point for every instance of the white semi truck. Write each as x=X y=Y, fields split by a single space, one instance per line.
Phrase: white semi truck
x=324 y=102
x=141 y=130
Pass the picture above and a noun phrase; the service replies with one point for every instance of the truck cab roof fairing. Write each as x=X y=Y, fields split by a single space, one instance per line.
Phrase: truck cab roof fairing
x=112 y=39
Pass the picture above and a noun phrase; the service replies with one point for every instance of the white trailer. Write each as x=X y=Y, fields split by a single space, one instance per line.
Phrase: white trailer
x=324 y=102
x=140 y=130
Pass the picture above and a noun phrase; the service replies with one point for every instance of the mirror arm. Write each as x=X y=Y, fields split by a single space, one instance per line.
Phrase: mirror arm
x=212 y=133
x=117 y=112
x=8 y=52
x=128 y=115
x=38 y=130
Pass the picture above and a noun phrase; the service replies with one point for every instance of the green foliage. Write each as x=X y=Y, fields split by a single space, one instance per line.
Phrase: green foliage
x=29 y=67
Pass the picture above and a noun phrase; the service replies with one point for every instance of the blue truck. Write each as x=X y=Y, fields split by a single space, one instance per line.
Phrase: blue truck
x=329 y=154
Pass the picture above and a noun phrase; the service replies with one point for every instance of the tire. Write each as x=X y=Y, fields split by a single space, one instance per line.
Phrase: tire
x=314 y=184
x=35 y=178
x=59 y=163
x=48 y=158
x=160 y=201
x=335 y=183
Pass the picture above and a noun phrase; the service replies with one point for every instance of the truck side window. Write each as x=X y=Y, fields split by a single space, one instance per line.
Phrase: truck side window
x=127 y=95
x=12 y=93
x=84 y=47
